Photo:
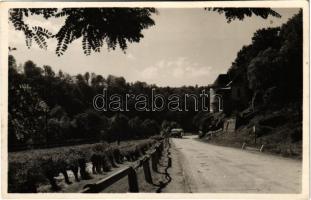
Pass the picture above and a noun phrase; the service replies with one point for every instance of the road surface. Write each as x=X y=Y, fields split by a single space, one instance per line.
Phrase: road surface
x=213 y=169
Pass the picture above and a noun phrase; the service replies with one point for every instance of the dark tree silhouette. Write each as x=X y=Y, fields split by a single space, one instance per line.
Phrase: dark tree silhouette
x=241 y=13
x=96 y=26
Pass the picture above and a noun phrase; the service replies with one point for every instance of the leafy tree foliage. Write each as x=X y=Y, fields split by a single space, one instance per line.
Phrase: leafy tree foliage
x=263 y=70
x=98 y=26
x=150 y=127
x=272 y=62
x=135 y=126
x=241 y=13
x=26 y=108
x=119 y=127
x=31 y=70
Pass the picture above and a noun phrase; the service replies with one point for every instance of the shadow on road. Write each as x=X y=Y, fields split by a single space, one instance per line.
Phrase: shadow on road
x=168 y=178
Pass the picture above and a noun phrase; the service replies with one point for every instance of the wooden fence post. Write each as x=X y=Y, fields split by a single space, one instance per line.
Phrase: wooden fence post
x=154 y=161
x=132 y=180
x=147 y=171
x=165 y=141
x=161 y=147
x=158 y=152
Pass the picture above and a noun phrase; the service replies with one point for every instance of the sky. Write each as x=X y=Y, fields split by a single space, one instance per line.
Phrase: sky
x=189 y=46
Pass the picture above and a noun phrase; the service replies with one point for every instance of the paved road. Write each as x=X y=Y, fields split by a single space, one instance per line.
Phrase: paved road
x=210 y=168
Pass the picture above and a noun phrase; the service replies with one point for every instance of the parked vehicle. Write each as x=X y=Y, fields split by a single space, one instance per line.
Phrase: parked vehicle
x=177 y=132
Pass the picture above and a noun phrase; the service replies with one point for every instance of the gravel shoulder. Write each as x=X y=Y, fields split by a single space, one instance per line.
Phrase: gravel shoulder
x=178 y=183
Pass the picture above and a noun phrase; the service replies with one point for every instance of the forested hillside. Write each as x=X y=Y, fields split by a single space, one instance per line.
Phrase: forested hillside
x=52 y=107
x=271 y=71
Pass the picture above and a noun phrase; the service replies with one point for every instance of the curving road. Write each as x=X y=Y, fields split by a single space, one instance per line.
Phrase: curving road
x=213 y=169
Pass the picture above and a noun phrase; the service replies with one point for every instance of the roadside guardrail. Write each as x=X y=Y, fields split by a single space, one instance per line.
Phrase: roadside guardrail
x=154 y=157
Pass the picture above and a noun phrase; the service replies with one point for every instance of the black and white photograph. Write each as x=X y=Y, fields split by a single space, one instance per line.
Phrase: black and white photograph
x=164 y=98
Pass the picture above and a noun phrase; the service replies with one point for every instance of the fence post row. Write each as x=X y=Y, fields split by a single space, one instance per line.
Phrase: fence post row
x=131 y=173
x=132 y=180
x=154 y=161
x=147 y=171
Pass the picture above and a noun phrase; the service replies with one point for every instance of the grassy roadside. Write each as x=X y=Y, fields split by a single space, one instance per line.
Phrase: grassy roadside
x=276 y=143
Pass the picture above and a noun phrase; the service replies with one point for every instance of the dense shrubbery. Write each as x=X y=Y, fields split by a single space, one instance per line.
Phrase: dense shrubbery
x=28 y=169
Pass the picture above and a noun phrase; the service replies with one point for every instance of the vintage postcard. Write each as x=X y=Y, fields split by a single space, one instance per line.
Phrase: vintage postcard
x=155 y=100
